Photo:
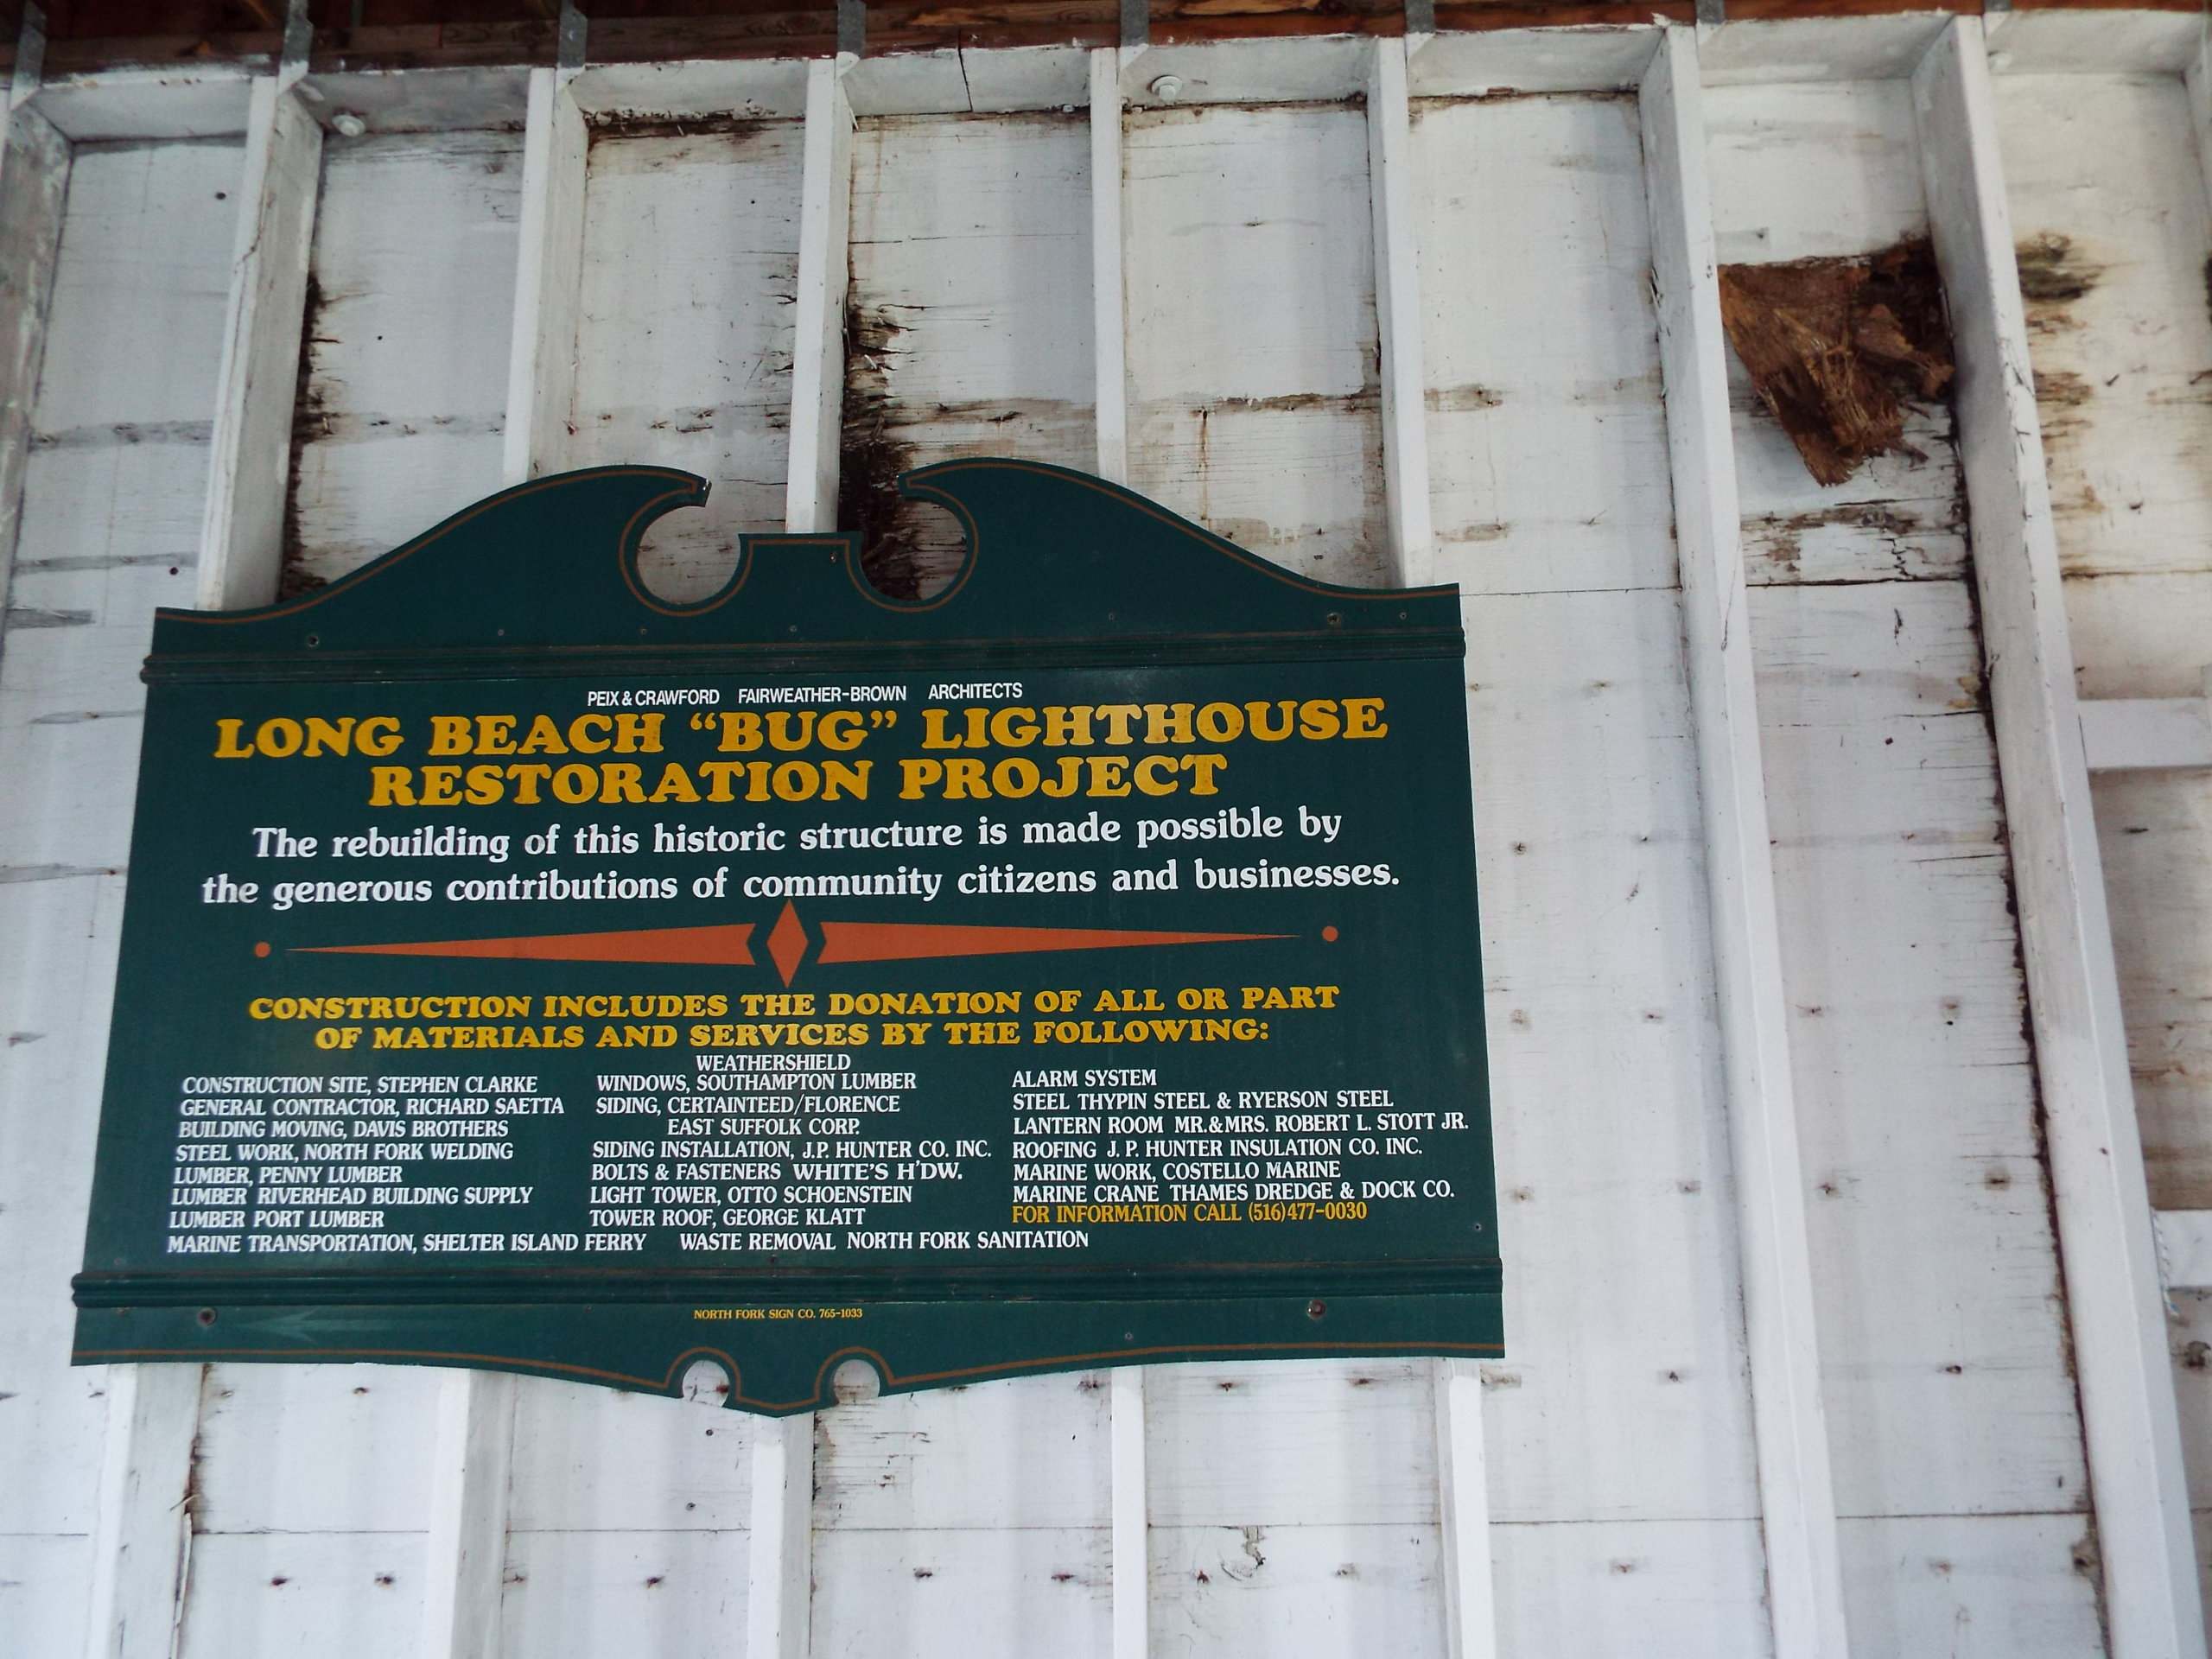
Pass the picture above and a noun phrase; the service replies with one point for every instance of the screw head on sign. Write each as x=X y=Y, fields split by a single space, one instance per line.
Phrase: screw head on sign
x=1167 y=88
x=347 y=125
x=1316 y=1308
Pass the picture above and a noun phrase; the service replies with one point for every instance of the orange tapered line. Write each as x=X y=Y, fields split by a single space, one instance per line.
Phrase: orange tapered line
x=910 y=941
x=727 y=946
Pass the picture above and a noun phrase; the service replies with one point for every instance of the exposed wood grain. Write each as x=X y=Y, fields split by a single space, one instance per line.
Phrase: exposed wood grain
x=1546 y=437
x=241 y=537
x=34 y=182
x=2114 y=1300
x=1781 y=1320
x=1254 y=394
x=818 y=309
x=548 y=288
x=1917 y=1106
x=684 y=345
x=406 y=375
x=969 y=316
x=1108 y=301
x=108 y=526
x=968 y=1521
x=1391 y=191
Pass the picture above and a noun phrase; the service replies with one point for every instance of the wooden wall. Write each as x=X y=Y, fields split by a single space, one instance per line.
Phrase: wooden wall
x=1811 y=1308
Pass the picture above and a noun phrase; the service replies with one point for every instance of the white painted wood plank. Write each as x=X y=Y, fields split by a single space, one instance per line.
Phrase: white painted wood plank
x=107 y=529
x=369 y=1430
x=1942 y=1327
x=2152 y=832
x=1593 y=1590
x=818 y=321
x=1624 y=1394
x=969 y=309
x=2128 y=1414
x=2145 y=734
x=348 y=1595
x=1294 y=1502
x=1130 y=1557
x=242 y=534
x=1856 y=137
x=1469 y=63
x=136 y=103
x=586 y=1595
x=549 y=283
x=1108 y=305
x=684 y=344
x=464 y=1547
x=406 y=372
x=1392 y=192
x=1251 y=327
x=780 y=1575
x=587 y=1459
x=2184 y=1249
x=1463 y=1473
x=1797 y=1483
x=1028 y=1453
x=1984 y=1587
x=964 y=1594
x=1341 y=1590
x=2118 y=334
x=1943 y=1359
x=999 y=1495
x=143 y=1537
x=1548 y=440
x=34 y=184
x=2107 y=194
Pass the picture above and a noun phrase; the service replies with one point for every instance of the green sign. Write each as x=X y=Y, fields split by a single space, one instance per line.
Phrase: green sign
x=1077 y=969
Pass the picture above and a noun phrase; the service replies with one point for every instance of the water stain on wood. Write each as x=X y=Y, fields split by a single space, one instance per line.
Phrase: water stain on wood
x=1835 y=347
x=311 y=422
x=870 y=458
x=2051 y=271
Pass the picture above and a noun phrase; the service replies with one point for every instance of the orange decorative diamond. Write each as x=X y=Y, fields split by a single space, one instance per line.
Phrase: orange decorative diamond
x=787 y=942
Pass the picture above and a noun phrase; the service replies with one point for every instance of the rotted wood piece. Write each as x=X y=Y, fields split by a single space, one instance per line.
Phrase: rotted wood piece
x=1836 y=346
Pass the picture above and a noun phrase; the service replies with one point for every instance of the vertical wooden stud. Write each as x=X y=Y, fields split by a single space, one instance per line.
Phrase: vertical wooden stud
x=1107 y=303
x=1397 y=314
x=241 y=533
x=141 y=1529
x=465 y=1548
x=779 y=1583
x=33 y=186
x=549 y=282
x=2130 y=1422
x=776 y=1610
x=1132 y=1540
x=1797 y=1483
x=818 y=328
x=1470 y=1594
x=1130 y=1519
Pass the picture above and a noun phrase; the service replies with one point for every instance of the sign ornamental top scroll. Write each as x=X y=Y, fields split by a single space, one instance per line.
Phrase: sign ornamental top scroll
x=1079 y=968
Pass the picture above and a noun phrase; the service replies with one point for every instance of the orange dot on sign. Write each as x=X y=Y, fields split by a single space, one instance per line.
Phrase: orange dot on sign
x=261 y=949
x=1330 y=934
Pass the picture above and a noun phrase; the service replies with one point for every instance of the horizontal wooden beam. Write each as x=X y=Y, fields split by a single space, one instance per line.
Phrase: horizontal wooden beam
x=2146 y=734
x=2185 y=1249
x=108 y=34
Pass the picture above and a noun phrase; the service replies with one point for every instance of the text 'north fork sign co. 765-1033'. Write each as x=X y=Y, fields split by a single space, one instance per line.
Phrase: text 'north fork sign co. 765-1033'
x=1079 y=968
